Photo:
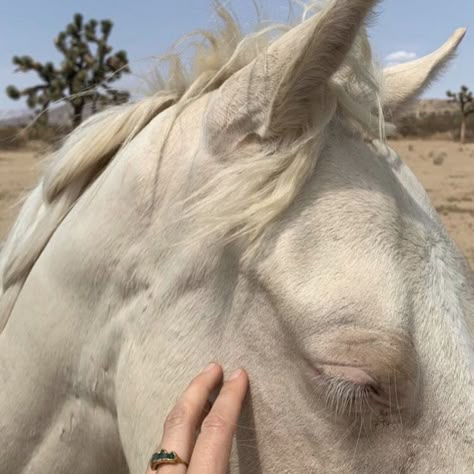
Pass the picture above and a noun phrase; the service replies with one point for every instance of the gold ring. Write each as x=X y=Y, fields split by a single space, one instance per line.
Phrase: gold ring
x=165 y=457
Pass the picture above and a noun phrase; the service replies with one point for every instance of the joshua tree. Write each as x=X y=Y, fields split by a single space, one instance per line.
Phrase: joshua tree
x=83 y=76
x=464 y=99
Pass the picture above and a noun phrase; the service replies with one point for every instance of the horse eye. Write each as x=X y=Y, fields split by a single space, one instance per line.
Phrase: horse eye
x=345 y=398
x=352 y=392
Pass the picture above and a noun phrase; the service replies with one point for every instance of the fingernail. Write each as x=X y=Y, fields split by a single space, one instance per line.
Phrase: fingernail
x=235 y=374
x=209 y=367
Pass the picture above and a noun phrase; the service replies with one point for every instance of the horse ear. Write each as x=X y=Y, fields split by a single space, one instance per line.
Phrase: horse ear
x=405 y=82
x=276 y=92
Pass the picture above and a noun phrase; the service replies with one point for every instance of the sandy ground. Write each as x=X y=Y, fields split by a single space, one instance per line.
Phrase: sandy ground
x=446 y=170
x=19 y=172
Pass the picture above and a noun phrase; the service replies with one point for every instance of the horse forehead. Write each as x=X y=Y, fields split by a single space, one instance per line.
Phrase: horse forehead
x=352 y=216
x=351 y=239
x=363 y=199
x=338 y=280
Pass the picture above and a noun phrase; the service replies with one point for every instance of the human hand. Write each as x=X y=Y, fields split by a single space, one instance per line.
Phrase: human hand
x=209 y=453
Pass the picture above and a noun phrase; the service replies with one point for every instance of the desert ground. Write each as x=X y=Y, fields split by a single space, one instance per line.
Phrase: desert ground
x=445 y=168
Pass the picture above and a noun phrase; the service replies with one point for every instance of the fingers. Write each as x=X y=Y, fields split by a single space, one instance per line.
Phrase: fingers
x=212 y=449
x=184 y=419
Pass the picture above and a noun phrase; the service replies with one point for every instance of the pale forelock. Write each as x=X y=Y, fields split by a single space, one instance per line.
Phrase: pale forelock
x=261 y=182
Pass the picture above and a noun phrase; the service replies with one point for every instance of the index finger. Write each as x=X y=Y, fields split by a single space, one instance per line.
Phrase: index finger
x=212 y=450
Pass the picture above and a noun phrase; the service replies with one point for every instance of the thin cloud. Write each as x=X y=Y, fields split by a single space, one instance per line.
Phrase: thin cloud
x=398 y=57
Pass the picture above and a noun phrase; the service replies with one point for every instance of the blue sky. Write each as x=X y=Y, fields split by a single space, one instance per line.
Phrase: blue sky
x=402 y=29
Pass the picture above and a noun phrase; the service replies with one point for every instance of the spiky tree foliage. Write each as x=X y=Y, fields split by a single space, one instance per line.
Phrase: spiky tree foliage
x=466 y=104
x=84 y=75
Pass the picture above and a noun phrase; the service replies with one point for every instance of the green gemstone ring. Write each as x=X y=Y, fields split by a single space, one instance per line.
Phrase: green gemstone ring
x=165 y=457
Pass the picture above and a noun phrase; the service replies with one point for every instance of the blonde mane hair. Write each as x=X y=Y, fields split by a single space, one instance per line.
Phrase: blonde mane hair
x=265 y=187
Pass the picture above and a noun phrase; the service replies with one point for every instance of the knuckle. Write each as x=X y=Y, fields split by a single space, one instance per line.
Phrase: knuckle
x=178 y=417
x=214 y=422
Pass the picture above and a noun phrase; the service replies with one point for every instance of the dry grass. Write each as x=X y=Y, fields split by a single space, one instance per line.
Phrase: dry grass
x=12 y=138
x=17 y=137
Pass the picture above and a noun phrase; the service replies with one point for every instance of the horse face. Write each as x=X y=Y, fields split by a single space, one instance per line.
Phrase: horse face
x=359 y=339
x=353 y=311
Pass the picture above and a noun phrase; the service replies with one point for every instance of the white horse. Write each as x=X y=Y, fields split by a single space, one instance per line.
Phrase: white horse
x=248 y=214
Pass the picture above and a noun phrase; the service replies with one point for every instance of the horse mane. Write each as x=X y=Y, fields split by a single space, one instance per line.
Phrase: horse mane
x=218 y=56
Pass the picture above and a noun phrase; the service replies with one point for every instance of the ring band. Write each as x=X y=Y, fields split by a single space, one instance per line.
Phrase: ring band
x=165 y=457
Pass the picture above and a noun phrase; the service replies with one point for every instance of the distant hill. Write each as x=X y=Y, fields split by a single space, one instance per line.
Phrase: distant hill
x=14 y=117
x=59 y=115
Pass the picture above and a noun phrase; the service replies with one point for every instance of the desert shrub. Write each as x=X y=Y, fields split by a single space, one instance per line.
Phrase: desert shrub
x=428 y=124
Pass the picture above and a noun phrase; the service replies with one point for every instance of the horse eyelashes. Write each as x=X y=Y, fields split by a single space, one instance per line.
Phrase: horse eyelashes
x=348 y=400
